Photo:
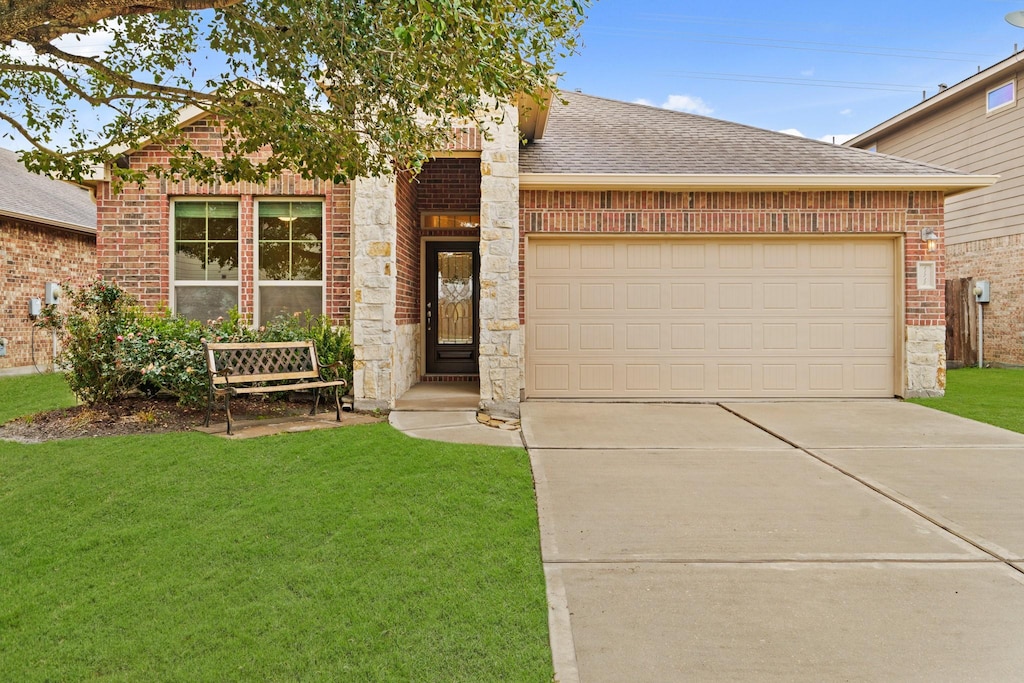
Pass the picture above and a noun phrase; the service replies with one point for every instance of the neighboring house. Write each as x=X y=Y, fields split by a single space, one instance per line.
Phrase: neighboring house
x=47 y=234
x=976 y=125
x=623 y=252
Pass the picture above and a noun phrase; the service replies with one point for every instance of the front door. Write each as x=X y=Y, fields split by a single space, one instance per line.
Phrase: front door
x=452 y=299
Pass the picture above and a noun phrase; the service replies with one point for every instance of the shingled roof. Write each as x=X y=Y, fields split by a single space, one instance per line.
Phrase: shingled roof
x=593 y=136
x=35 y=198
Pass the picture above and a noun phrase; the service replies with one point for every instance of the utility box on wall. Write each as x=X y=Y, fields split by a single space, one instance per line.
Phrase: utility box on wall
x=3 y=346
x=982 y=291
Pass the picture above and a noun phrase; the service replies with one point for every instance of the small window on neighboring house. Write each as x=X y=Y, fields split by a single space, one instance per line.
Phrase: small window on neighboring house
x=290 y=269
x=873 y=149
x=205 y=258
x=1002 y=96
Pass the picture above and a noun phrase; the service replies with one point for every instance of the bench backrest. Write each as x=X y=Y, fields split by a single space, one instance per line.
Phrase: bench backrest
x=261 y=362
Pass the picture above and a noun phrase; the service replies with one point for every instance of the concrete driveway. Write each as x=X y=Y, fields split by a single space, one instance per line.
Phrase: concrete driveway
x=795 y=541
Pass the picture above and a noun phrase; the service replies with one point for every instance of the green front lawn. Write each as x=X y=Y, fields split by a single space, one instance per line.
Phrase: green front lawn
x=30 y=394
x=354 y=554
x=991 y=395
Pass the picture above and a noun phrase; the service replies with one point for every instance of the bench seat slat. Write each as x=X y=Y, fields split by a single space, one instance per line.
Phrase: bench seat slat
x=268 y=377
x=280 y=387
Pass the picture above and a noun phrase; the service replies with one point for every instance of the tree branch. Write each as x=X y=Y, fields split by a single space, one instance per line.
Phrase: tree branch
x=44 y=20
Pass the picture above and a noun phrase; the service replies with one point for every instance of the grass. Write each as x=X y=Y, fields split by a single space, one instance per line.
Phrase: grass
x=991 y=395
x=355 y=554
x=28 y=394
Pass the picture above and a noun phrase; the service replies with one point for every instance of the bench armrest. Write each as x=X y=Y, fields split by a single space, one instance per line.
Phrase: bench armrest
x=333 y=366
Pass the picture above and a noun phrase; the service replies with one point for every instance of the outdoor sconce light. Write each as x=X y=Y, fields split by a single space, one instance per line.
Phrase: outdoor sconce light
x=929 y=237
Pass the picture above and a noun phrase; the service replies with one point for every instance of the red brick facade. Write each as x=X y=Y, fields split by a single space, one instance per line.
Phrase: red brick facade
x=997 y=260
x=407 y=297
x=134 y=232
x=782 y=213
x=450 y=186
x=30 y=256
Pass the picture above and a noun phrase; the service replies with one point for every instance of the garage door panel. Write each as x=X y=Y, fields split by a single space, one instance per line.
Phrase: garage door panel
x=807 y=339
x=686 y=318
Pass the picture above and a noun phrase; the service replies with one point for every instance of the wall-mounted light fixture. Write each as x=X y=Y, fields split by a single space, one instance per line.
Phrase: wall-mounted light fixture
x=929 y=237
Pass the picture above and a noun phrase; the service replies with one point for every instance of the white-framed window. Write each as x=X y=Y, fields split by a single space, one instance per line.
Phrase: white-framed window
x=205 y=257
x=1003 y=96
x=289 y=258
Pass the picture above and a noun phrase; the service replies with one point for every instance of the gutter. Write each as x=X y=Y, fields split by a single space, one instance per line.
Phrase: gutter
x=949 y=184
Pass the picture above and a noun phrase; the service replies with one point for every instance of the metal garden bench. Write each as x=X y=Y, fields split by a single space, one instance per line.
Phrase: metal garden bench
x=238 y=368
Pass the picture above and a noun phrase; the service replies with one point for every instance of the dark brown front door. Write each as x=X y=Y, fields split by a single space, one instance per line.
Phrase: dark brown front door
x=452 y=299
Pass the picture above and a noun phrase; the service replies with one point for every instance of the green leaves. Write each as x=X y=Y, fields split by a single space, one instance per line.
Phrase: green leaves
x=330 y=88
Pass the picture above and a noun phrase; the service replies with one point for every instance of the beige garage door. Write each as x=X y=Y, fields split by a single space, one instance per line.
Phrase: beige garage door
x=710 y=318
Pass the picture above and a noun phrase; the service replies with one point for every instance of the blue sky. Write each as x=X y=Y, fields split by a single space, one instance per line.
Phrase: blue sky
x=821 y=68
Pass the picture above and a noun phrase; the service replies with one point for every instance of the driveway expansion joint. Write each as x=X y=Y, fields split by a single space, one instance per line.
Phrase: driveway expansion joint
x=885 y=494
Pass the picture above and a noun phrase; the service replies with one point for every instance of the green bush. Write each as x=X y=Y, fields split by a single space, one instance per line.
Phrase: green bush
x=112 y=347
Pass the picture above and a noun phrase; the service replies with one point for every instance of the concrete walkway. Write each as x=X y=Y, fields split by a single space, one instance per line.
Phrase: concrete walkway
x=447 y=411
x=860 y=540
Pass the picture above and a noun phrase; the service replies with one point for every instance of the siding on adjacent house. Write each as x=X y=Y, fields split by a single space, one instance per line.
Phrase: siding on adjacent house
x=30 y=256
x=962 y=135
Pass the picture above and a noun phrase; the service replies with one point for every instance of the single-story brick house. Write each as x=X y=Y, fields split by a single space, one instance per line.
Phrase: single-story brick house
x=47 y=234
x=621 y=252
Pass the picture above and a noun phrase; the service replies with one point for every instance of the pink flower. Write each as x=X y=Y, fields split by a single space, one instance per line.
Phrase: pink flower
x=120 y=338
x=152 y=340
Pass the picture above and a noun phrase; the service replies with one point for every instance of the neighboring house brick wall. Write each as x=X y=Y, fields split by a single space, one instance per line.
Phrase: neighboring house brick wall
x=1001 y=261
x=30 y=256
x=134 y=232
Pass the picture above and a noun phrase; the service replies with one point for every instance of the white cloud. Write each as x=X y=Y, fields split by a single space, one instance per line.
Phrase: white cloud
x=807 y=73
x=95 y=44
x=792 y=131
x=846 y=112
x=691 y=105
x=837 y=139
x=643 y=101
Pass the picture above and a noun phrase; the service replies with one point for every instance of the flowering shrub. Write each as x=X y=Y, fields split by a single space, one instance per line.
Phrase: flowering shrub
x=112 y=347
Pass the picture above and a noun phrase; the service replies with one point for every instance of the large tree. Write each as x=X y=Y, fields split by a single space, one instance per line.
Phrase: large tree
x=332 y=88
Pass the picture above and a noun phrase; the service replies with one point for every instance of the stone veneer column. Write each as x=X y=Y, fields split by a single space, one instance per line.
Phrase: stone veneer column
x=501 y=348
x=374 y=282
x=926 y=361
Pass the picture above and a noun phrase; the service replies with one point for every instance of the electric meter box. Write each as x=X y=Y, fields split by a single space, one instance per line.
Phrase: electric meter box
x=982 y=291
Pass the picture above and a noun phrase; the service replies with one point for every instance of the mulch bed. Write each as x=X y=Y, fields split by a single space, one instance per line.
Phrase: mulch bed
x=144 y=416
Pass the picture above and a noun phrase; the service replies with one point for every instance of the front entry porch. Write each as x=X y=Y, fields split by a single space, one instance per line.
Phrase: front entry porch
x=440 y=396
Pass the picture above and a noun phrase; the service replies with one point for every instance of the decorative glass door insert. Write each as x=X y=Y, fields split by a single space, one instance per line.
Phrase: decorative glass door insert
x=451 y=307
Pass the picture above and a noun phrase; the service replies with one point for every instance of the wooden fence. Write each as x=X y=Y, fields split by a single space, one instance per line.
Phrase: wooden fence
x=961 y=323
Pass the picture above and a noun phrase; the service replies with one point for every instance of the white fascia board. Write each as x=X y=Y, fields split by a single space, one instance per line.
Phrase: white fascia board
x=950 y=184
